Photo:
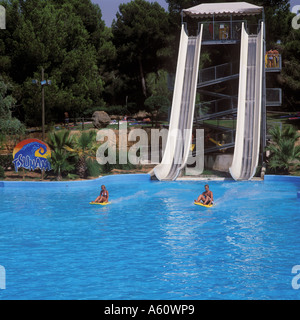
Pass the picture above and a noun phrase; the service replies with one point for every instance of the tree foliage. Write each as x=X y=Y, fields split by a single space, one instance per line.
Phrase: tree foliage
x=285 y=154
x=67 y=39
x=157 y=105
x=93 y=67
x=289 y=78
x=8 y=124
x=141 y=37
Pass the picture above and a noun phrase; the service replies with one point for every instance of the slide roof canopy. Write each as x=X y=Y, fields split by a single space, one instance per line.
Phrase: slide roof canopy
x=221 y=9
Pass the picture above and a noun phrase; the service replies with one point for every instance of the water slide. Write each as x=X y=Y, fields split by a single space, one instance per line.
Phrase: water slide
x=183 y=105
x=248 y=127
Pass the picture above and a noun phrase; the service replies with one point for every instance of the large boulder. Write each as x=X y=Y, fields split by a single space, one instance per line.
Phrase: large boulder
x=141 y=115
x=100 y=119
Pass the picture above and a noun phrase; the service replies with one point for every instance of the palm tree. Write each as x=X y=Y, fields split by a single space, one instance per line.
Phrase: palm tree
x=289 y=132
x=58 y=140
x=60 y=163
x=60 y=158
x=84 y=147
x=285 y=154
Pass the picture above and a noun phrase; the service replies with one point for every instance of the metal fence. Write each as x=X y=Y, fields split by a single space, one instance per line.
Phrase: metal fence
x=273 y=97
x=217 y=72
x=78 y=122
x=273 y=62
x=222 y=30
x=225 y=137
x=210 y=74
x=214 y=107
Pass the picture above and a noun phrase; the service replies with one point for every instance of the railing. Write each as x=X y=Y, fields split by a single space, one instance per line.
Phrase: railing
x=218 y=72
x=84 y=123
x=224 y=138
x=207 y=109
x=171 y=81
x=211 y=74
x=273 y=97
x=222 y=30
x=273 y=62
x=79 y=122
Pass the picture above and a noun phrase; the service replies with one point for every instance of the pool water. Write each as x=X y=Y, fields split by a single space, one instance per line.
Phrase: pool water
x=152 y=242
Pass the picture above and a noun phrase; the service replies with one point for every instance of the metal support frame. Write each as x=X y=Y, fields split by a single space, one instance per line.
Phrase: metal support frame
x=263 y=104
x=233 y=111
x=213 y=27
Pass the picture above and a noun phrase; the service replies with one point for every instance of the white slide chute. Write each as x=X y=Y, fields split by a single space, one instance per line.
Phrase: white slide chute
x=183 y=106
x=248 y=127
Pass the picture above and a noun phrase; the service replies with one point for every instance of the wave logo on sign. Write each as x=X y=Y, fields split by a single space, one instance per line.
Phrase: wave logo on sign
x=32 y=154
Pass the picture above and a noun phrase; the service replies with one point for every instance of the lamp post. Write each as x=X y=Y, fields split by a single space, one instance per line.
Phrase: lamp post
x=43 y=83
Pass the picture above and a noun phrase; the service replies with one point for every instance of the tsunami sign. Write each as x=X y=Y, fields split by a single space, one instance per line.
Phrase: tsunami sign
x=32 y=154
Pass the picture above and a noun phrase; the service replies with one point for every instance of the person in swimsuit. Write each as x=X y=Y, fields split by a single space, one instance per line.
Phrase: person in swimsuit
x=67 y=120
x=206 y=197
x=103 y=197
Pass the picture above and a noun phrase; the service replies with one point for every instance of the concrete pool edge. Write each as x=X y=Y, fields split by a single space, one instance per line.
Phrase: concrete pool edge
x=133 y=177
x=267 y=178
x=79 y=183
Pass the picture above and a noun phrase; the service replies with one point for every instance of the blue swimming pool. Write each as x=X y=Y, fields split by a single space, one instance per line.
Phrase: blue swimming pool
x=151 y=242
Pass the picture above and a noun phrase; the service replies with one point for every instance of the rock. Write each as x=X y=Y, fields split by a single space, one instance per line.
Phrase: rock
x=141 y=115
x=100 y=119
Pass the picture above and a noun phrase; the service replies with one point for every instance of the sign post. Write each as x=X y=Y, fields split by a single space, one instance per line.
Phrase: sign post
x=43 y=83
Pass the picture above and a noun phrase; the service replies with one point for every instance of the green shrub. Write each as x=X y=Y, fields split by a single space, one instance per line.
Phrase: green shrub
x=2 y=140
x=6 y=161
x=61 y=159
x=72 y=176
x=114 y=110
x=2 y=173
x=285 y=154
x=107 y=168
x=11 y=126
x=93 y=168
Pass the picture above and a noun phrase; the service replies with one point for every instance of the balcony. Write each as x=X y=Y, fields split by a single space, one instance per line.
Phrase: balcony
x=273 y=97
x=273 y=62
x=219 y=32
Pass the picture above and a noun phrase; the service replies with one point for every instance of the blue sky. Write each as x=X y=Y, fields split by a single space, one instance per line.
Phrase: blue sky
x=109 y=8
